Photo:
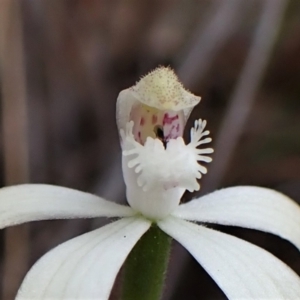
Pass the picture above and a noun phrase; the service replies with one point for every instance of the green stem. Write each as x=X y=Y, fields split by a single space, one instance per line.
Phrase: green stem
x=146 y=266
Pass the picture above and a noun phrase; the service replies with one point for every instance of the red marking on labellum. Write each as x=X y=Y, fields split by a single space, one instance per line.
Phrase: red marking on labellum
x=142 y=121
x=154 y=119
x=169 y=120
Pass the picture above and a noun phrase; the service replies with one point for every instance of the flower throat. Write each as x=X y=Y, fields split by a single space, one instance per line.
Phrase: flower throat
x=155 y=123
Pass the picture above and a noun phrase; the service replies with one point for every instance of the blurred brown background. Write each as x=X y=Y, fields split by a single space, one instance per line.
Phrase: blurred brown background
x=62 y=65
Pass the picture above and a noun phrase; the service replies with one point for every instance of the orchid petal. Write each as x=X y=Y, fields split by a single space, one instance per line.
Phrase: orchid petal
x=32 y=202
x=84 y=267
x=125 y=101
x=241 y=270
x=249 y=207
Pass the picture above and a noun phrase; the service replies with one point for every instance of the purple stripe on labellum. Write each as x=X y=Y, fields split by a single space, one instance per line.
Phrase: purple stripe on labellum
x=147 y=120
x=168 y=119
x=173 y=125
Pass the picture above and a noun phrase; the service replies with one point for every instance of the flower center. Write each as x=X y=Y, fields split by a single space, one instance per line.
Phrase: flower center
x=156 y=175
x=155 y=123
x=158 y=166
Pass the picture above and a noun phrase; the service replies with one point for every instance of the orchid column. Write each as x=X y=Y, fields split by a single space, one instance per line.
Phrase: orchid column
x=157 y=168
x=157 y=165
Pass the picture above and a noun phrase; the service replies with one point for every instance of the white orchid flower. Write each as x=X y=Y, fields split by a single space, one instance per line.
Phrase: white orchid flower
x=158 y=167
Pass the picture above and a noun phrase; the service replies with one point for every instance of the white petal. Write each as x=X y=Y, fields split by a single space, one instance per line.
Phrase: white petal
x=125 y=101
x=32 y=202
x=84 y=267
x=249 y=207
x=241 y=270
